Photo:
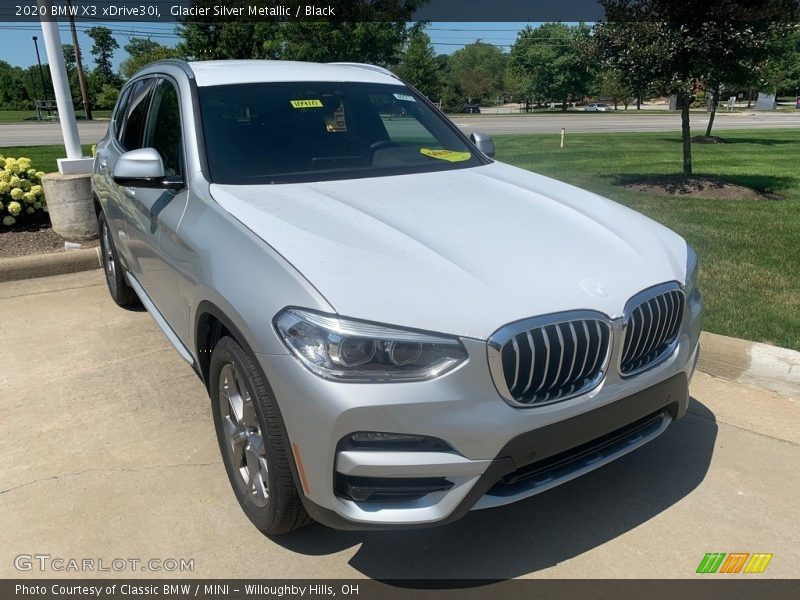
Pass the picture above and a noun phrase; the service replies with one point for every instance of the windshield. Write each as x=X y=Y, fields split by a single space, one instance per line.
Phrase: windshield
x=299 y=131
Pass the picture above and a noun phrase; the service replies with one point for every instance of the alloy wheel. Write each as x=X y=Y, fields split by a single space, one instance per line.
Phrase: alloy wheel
x=108 y=255
x=243 y=434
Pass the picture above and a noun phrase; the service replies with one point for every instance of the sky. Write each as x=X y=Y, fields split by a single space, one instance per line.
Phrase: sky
x=16 y=44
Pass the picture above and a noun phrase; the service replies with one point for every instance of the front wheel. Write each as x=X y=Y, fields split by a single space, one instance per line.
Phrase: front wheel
x=253 y=442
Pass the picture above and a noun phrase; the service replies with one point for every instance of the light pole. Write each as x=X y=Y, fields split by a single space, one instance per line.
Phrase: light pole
x=33 y=88
x=41 y=71
x=74 y=163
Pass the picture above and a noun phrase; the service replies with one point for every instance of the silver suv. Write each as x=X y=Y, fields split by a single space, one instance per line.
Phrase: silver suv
x=393 y=327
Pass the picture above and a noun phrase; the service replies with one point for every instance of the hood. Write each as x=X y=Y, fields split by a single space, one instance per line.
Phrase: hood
x=462 y=251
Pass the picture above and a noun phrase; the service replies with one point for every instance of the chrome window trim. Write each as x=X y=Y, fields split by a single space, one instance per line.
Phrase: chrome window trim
x=631 y=306
x=506 y=333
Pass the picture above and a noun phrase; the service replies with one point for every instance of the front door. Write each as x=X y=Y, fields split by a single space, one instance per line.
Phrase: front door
x=157 y=212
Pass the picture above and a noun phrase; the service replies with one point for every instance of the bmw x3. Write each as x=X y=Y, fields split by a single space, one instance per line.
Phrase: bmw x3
x=393 y=327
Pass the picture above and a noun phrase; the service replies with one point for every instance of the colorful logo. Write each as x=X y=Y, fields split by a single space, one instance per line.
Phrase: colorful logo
x=735 y=562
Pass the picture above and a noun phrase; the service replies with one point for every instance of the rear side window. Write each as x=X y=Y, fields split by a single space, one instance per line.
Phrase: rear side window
x=133 y=130
x=119 y=113
x=164 y=127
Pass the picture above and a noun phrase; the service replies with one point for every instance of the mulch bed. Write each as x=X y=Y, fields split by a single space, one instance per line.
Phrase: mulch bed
x=697 y=187
x=34 y=240
x=708 y=139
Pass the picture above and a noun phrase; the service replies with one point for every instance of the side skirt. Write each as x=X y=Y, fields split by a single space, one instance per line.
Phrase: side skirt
x=160 y=321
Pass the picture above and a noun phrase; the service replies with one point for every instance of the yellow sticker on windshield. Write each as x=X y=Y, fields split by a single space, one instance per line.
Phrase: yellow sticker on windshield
x=306 y=103
x=448 y=155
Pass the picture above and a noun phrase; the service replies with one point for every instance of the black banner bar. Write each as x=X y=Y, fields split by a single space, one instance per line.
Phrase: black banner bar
x=251 y=11
x=711 y=587
x=303 y=10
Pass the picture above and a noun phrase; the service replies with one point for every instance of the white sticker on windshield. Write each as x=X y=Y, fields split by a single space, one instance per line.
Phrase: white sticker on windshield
x=405 y=97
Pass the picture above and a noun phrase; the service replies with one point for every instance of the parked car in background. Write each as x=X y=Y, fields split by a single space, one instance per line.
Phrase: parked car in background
x=393 y=328
x=471 y=109
x=598 y=107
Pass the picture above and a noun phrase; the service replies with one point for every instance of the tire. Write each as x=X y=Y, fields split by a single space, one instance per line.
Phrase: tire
x=118 y=287
x=253 y=441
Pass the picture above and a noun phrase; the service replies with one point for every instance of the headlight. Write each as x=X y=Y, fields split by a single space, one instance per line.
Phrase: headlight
x=347 y=350
x=691 y=270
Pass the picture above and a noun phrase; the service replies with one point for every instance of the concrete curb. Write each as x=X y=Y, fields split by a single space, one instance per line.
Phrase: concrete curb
x=43 y=265
x=762 y=365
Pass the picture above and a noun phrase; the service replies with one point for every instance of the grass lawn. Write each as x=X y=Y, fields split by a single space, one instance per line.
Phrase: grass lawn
x=749 y=250
x=20 y=116
x=42 y=157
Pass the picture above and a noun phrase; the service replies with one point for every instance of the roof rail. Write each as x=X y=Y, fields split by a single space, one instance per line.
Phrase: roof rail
x=175 y=62
x=181 y=64
x=368 y=67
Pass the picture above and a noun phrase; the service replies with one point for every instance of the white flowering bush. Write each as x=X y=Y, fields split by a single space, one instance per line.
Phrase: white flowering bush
x=21 y=194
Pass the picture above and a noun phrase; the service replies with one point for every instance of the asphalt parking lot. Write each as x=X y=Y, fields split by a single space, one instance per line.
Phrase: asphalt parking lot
x=109 y=451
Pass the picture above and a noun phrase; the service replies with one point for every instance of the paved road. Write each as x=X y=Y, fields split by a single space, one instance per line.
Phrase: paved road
x=44 y=134
x=604 y=122
x=109 y=451
x=38 y=134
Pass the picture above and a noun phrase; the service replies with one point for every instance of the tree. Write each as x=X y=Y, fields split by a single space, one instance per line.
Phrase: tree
x=364 y=31
x=450 y=99
x=551 y=62
x=419 y=66
x=738 y=57
x=781 y=71
x=142 y=51
x=106 y=98
x=103 y=48
x=69 y=57
x=476 y=70
x=527 y=73
x=379 y=43
x=609 y=84
x=32 y=82
x=15 y=88
x=676 y=46
x=226 y=40
x=71 y=64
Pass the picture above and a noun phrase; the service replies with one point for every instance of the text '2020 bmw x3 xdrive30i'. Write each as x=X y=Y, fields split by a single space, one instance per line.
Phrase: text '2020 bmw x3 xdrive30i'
x=393 y=328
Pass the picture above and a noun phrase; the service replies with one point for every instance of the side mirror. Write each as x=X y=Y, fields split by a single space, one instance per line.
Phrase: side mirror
x=144 y=168
x=484 y=142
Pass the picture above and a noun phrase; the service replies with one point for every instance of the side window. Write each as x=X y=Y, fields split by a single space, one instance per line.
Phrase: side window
x=164 y=127
x=119 y=113
x=133 y=129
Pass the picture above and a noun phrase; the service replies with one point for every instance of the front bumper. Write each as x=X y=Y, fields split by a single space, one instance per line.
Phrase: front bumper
x=538 y=460
x=496 y=453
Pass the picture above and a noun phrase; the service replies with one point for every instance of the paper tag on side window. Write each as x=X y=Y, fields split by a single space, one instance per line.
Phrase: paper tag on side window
x=405 y=97
x=336 y=122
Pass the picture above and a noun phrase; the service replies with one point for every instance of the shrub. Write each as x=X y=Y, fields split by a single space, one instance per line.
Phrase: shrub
x=21 y=194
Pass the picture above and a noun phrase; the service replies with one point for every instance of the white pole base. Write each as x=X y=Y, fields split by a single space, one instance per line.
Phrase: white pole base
x=75 y=166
